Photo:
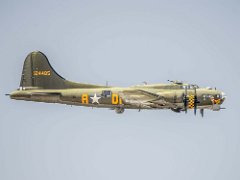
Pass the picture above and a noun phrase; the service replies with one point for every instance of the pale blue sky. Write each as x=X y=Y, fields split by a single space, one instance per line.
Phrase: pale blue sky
x=126 y=43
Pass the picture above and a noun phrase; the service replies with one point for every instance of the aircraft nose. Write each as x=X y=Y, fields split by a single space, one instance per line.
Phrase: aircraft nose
x=224 y=96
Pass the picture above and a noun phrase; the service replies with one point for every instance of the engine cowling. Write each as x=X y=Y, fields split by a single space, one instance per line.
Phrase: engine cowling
x=119 y=110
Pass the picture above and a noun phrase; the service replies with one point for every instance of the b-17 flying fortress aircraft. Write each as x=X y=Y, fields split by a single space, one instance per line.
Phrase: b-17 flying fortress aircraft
x=41 y=83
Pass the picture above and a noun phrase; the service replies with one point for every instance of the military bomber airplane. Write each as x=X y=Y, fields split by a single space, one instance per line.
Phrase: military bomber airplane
x=41 y=83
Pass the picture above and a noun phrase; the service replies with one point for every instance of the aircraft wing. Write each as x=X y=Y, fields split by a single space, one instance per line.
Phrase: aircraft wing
x=144 y=99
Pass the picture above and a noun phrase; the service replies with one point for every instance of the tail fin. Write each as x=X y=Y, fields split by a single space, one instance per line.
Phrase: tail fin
x=38 y=73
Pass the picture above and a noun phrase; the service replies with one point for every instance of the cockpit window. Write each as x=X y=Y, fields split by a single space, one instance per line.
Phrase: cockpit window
x=218 y=96
x=190 y=86
x=207 y=96
x=106 y=93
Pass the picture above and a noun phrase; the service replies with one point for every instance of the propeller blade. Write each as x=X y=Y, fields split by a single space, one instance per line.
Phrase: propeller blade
x=195 y=91
x=195 y=101
x=185 y=100
x=202 y=112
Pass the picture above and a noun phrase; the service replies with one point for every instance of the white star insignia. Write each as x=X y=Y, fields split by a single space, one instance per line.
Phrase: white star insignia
x=95 y=99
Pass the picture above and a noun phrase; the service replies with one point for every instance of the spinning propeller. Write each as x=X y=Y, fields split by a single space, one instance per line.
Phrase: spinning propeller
x=196 y=101
x=185 y=100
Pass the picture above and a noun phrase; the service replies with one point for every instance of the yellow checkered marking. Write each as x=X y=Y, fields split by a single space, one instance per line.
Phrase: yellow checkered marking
x=191 y=101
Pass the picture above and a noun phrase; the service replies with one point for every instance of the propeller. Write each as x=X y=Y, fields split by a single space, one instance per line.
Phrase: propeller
x=196 y=101
x=202 y=112
x=185 y=100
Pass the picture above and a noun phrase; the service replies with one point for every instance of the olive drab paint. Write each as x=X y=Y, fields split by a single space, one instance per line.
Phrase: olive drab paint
x=41 y=83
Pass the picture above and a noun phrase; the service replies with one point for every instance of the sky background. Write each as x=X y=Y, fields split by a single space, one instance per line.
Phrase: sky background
x=124 y=42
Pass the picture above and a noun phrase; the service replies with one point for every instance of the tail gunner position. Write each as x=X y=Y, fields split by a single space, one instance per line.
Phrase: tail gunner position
x=41 y=83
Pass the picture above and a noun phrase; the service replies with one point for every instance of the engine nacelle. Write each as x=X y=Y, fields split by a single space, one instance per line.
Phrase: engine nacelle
x=119 y=110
